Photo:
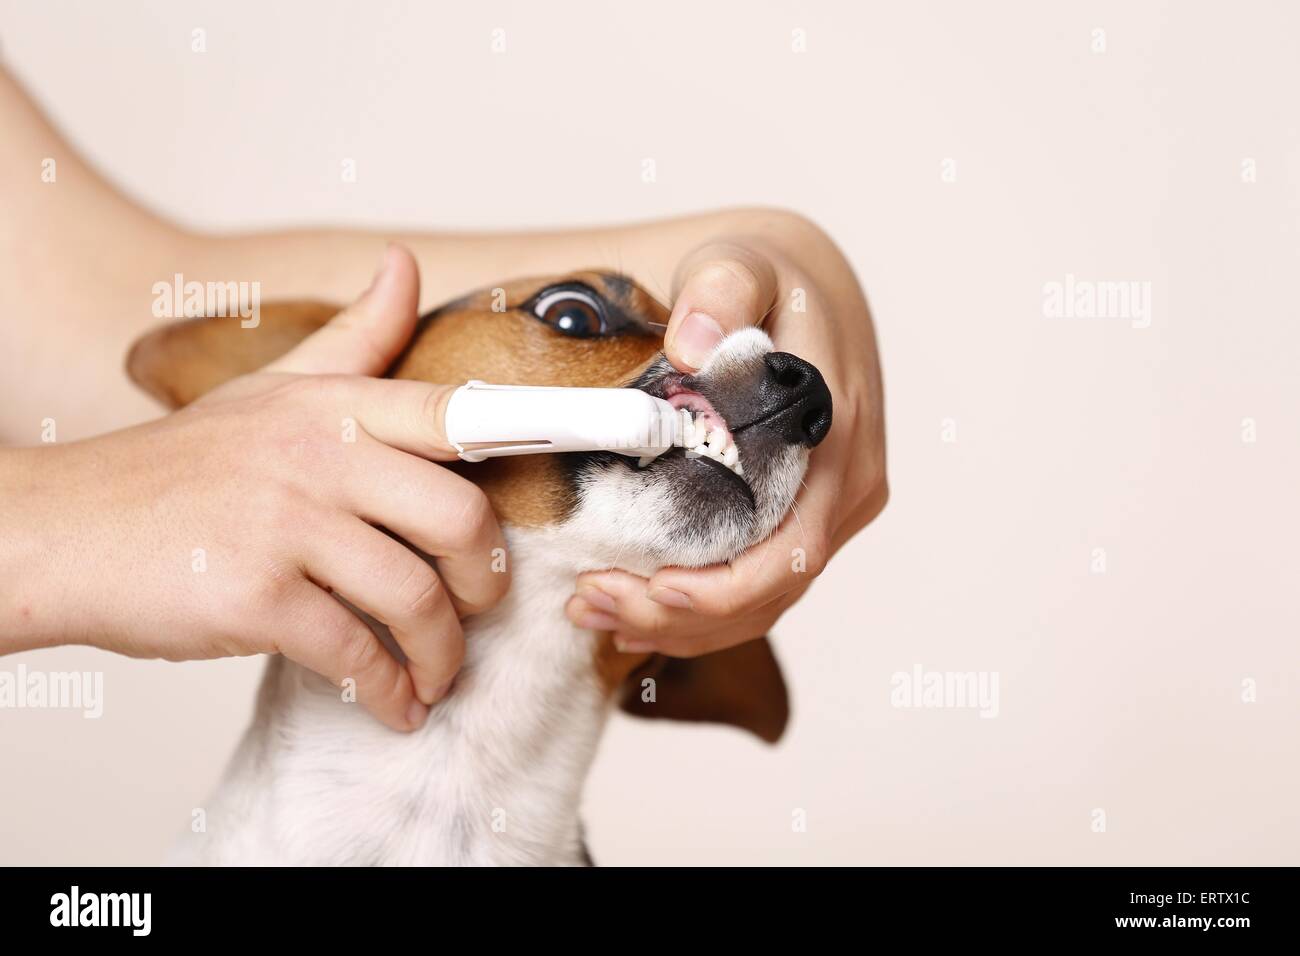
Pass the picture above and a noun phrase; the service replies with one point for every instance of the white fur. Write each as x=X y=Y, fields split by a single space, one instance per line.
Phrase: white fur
x=495 y=775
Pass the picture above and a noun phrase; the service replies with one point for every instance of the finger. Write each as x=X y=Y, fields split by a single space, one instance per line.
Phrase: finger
x=439 y=512
x=403 y=413
x=621 y=596
x=722 y=288
x=716 y=638
x=395 y=586
x=333 y=642
x=719 y=637
x=630 y=641
x=619 y=604
x=365 y=337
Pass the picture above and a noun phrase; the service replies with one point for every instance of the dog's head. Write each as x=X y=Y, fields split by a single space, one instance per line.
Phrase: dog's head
x=758 y=413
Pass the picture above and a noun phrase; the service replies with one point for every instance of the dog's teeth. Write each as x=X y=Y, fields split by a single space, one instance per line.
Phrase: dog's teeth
x=644 y=460
x=699 y=441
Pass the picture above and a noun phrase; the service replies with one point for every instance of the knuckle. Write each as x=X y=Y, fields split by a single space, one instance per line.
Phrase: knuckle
x=733 y=275
x=278 y=505
x=359 y=652
x=497 y=585
x=818 y=556
x=273 y=587
x=645 y=621
x=421 y=592
x=478 y=522
x=728 y=605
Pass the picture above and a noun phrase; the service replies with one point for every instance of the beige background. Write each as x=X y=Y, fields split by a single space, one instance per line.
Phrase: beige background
x=1120 y=691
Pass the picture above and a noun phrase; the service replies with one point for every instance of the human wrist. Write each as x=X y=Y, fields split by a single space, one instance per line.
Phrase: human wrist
x=32 y=612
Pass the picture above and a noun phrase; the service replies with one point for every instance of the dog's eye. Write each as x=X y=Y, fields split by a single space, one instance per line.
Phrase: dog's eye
x=571 y=310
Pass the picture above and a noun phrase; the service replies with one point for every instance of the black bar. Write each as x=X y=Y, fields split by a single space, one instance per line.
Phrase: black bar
x=1166 y=906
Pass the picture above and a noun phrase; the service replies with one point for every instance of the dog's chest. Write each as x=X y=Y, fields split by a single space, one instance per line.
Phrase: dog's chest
x=494 y=777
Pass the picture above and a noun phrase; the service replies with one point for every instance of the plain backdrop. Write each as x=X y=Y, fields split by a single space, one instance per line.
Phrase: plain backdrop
x=964 y=155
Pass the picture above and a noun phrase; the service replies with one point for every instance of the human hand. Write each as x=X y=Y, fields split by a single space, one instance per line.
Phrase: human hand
x=223 y=528
x=763 y=275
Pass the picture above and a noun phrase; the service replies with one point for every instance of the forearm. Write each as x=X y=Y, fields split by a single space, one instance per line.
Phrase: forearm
x=77 y=262
x=331 y=265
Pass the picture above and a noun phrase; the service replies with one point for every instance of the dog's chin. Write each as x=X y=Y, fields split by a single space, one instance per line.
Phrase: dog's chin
x=709 y=513
x=683 y=509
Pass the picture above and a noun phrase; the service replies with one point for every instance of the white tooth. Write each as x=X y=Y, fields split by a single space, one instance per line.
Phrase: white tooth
x=731 y=456
x=644 y=460
x=698 y=434
x=739 y=470
x=717 y=438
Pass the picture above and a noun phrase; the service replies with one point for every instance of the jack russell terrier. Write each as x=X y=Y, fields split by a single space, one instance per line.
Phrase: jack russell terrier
x=495 y=774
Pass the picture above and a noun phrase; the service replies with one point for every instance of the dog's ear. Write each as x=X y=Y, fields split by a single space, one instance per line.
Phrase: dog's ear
x=180 y=361
x=741 y=686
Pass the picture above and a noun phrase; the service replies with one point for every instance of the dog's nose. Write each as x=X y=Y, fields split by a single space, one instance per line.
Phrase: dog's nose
x=793 y=400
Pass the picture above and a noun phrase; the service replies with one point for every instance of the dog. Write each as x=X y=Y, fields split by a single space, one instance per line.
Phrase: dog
x=495 y=774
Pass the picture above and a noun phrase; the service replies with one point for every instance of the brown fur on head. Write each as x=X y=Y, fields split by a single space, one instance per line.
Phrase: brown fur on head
x=589 y=329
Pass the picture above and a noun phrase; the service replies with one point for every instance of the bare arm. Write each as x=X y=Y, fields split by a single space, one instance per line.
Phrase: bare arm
x=78 y=263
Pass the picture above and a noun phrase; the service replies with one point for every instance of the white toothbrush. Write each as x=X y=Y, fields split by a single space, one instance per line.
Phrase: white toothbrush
x=493 y=421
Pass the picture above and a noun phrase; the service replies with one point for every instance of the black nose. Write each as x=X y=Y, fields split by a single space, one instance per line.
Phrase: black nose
x=793 y=400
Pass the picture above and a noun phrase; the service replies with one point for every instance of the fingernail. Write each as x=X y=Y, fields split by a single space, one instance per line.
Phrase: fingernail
x=597 y=621
x=597 y=598
x=696 y=338
x=670 y=597
x=416 y=713
x=632 y=647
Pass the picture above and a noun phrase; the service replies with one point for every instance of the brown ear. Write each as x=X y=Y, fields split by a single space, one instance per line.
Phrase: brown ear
x=179 y=362
x=741 y=686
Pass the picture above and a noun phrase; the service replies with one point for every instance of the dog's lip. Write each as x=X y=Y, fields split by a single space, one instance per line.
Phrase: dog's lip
x=718 y=466
x=678 y=396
